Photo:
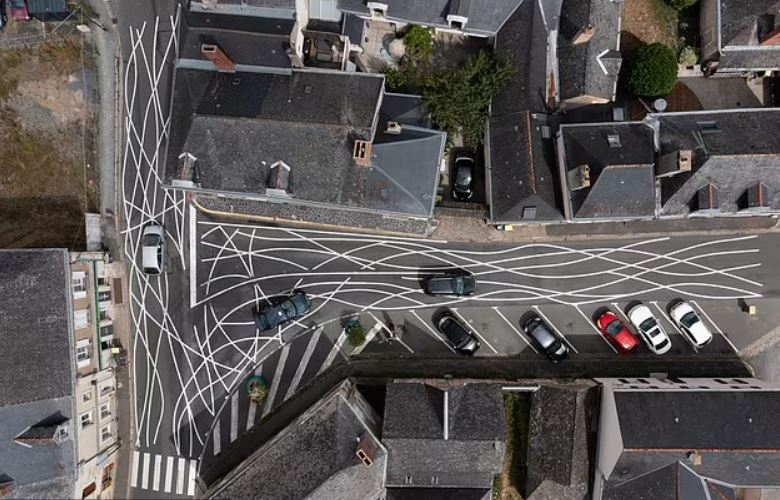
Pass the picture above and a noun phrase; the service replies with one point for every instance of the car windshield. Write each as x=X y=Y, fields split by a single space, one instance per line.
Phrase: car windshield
x=647 y=325
x=614 y=328
x=151 y=240
x=464 y=176
x=689 y=319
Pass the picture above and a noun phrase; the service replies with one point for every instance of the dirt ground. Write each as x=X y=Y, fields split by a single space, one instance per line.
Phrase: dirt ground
x=647 y=21
x=47 y=130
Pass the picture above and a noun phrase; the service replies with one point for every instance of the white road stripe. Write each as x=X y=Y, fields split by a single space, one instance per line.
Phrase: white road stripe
x=598 y=332
x=433 y=331
x=145 y=472
x=234 y=416
x=156 y=477
x=557 y=330
x=483 y=339
x=180 y=476
x=269 y=402
x=314 y=338
x=515 y=329
x=714 y=326
x=168 y=474
x=134 y=469
x=397 y=338
x=193 y=256
x=369 y=337
x=217 y=437
x=334 y=351
x=193 y=476
x=250 y=416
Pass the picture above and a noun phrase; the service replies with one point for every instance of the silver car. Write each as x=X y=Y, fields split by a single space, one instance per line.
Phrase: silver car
x=153 y=248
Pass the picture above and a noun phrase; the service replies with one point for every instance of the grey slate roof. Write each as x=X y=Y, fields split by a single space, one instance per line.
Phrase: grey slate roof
x=621 y=178
x=405 y=109
x=438 y=494
x=485 y=17
x=742 y=27
x=313 y=457
x=413 y=433
x=35 y=304
x=589 y=68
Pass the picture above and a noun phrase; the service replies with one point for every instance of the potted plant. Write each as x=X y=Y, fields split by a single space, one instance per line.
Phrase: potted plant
x=257 y=388
x=355 y=332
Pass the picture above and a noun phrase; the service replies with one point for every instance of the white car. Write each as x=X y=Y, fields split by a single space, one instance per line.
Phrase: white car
x=690 y=325
x=649 y=329
x=153 y=248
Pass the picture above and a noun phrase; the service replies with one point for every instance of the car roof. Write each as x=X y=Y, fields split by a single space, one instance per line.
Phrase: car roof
x=153 y=228
x=542 y=334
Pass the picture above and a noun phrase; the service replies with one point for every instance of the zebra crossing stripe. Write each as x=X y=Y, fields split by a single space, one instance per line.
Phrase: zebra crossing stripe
x=145 y=472
x=134 y=469
x=180 y=477
x=168 y=474
x=192 y=478
x=156 y=477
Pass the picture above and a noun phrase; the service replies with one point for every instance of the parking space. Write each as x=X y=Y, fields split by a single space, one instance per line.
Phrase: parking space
x=478 y=185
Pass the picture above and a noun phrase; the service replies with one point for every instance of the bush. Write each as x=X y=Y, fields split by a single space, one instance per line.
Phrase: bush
x=653 y=72
x=459 y=100
x=689 y=56
x=419 y=44
x=395 y=79
x=355 y=332
x=682 y=4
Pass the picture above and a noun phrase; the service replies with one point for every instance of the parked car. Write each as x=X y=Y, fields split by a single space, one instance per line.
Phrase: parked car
x=19 y=10
x=460 y=336
x=153 y=248
x=649 y=329
x=690 y=324
x=464 y=176
x=2 y=15
x=616 y=332
x=276 y=314
x=456 y=283
x=546 y=341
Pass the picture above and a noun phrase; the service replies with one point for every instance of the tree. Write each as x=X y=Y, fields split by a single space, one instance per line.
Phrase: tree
x=419 y=44
x=682 y=4
x=395 y=79
x=355 y=332
x=459 y=99
x=257 y=389
x=653 y=72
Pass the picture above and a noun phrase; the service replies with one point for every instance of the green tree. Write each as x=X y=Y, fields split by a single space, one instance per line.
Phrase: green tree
x=682 y=4
x=459 y=99
x=419 y=44
x=653 y=72
x=395 y=79
x=689 y=56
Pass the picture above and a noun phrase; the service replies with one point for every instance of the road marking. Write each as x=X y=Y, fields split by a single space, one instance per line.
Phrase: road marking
x=598 y=332
x=134 y=469
x=435 y=334
x=180 y=477
x=314 y=338
x=714 y=326
x=193 y=476
x=193 y=256
x=145 y=472
x=475 y=331
x=335 y=350
x=168 y=474
x=515 y=329
x=234 y=416
x=396 y=337
x=269 y=402
x=157 y=467
x=557 y=330
x=250 y=417
x=369 y=337
x=217 y=438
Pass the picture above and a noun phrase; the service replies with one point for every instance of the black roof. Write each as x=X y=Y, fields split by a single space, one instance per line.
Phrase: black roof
x=659 y=484
x=35 y=304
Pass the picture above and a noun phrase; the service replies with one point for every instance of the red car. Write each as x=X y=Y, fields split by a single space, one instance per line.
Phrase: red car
x=616 y=332
x=19 y=10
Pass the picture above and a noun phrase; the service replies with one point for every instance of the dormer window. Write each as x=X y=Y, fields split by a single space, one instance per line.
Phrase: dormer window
x=457 y=22
x=377 y=9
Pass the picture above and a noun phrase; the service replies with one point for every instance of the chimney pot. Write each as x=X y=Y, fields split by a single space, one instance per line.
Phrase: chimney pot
x=213 y=53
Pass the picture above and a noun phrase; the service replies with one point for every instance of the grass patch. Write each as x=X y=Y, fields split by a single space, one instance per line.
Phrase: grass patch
x=511 y=482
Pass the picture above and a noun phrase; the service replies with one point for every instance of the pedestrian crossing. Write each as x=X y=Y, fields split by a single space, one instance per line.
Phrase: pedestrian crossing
x=166 y=474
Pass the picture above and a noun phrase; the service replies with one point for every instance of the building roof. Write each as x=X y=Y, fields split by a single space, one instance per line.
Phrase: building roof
x=485 y=17
x=590 y=68
x=745 y=23
x=37 y=7
x=438 y=494
x=414 y=435
x=35 y=304
x=405 y=109
x=620 y=158
x=313 y=457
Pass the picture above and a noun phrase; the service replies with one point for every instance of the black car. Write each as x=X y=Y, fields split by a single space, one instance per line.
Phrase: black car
x=458 y=284
x=546 y=341
x=459 y=335
x=464 y=176
x=275 y=314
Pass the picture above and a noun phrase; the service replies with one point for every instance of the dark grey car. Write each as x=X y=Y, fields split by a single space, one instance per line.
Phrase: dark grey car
x=459 y=335
x=546 y=341
x=464 y=176
x=273 y=315
x=458 y=284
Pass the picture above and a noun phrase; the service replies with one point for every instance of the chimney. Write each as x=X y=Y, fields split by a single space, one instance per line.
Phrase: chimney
x=366 y=449
x=393 y=128
x=362 y=153
x=673 y=163
x=694 y=457
x=186 y=164
x=772 y=38
x=214 y=54
x=584 y=35
x=278 y=183
x=579 y=178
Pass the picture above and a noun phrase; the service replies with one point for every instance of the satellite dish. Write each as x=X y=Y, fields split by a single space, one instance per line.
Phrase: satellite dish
x=660 y=105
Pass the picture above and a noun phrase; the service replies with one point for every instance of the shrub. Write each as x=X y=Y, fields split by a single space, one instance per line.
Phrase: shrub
x=459 y=100
x=356 y=333
x=653 y=72
x=395 y=79
x=682 y=4
x=688 y=56
x=419 y=43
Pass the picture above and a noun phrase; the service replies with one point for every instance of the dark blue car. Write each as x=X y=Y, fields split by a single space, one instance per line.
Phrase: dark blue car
x=275 y=314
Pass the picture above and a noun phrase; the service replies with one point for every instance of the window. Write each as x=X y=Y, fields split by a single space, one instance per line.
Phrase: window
x=105 y=411
x=103 y=314
x=81 y=318
x=62 y=433
x=104 y=296
x=105 y=433
x=106 y=331
x=86 y=397
x=82 y=353
x=106 y=388
x=86 y=492
x=78 y=281
x=86 y=419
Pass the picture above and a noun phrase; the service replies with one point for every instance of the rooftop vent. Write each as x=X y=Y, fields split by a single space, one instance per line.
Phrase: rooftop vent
x=529 y=212
x=579 y=177
x=214 y=54
x=457 y=22
x=614 y=140
x=674 y=163
x=584 y=35
x=362 y=153
x=366 y=450
x=377 y=9
x=694 y=457
x=708 y=127
x=754 y=197
x=393 y=128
